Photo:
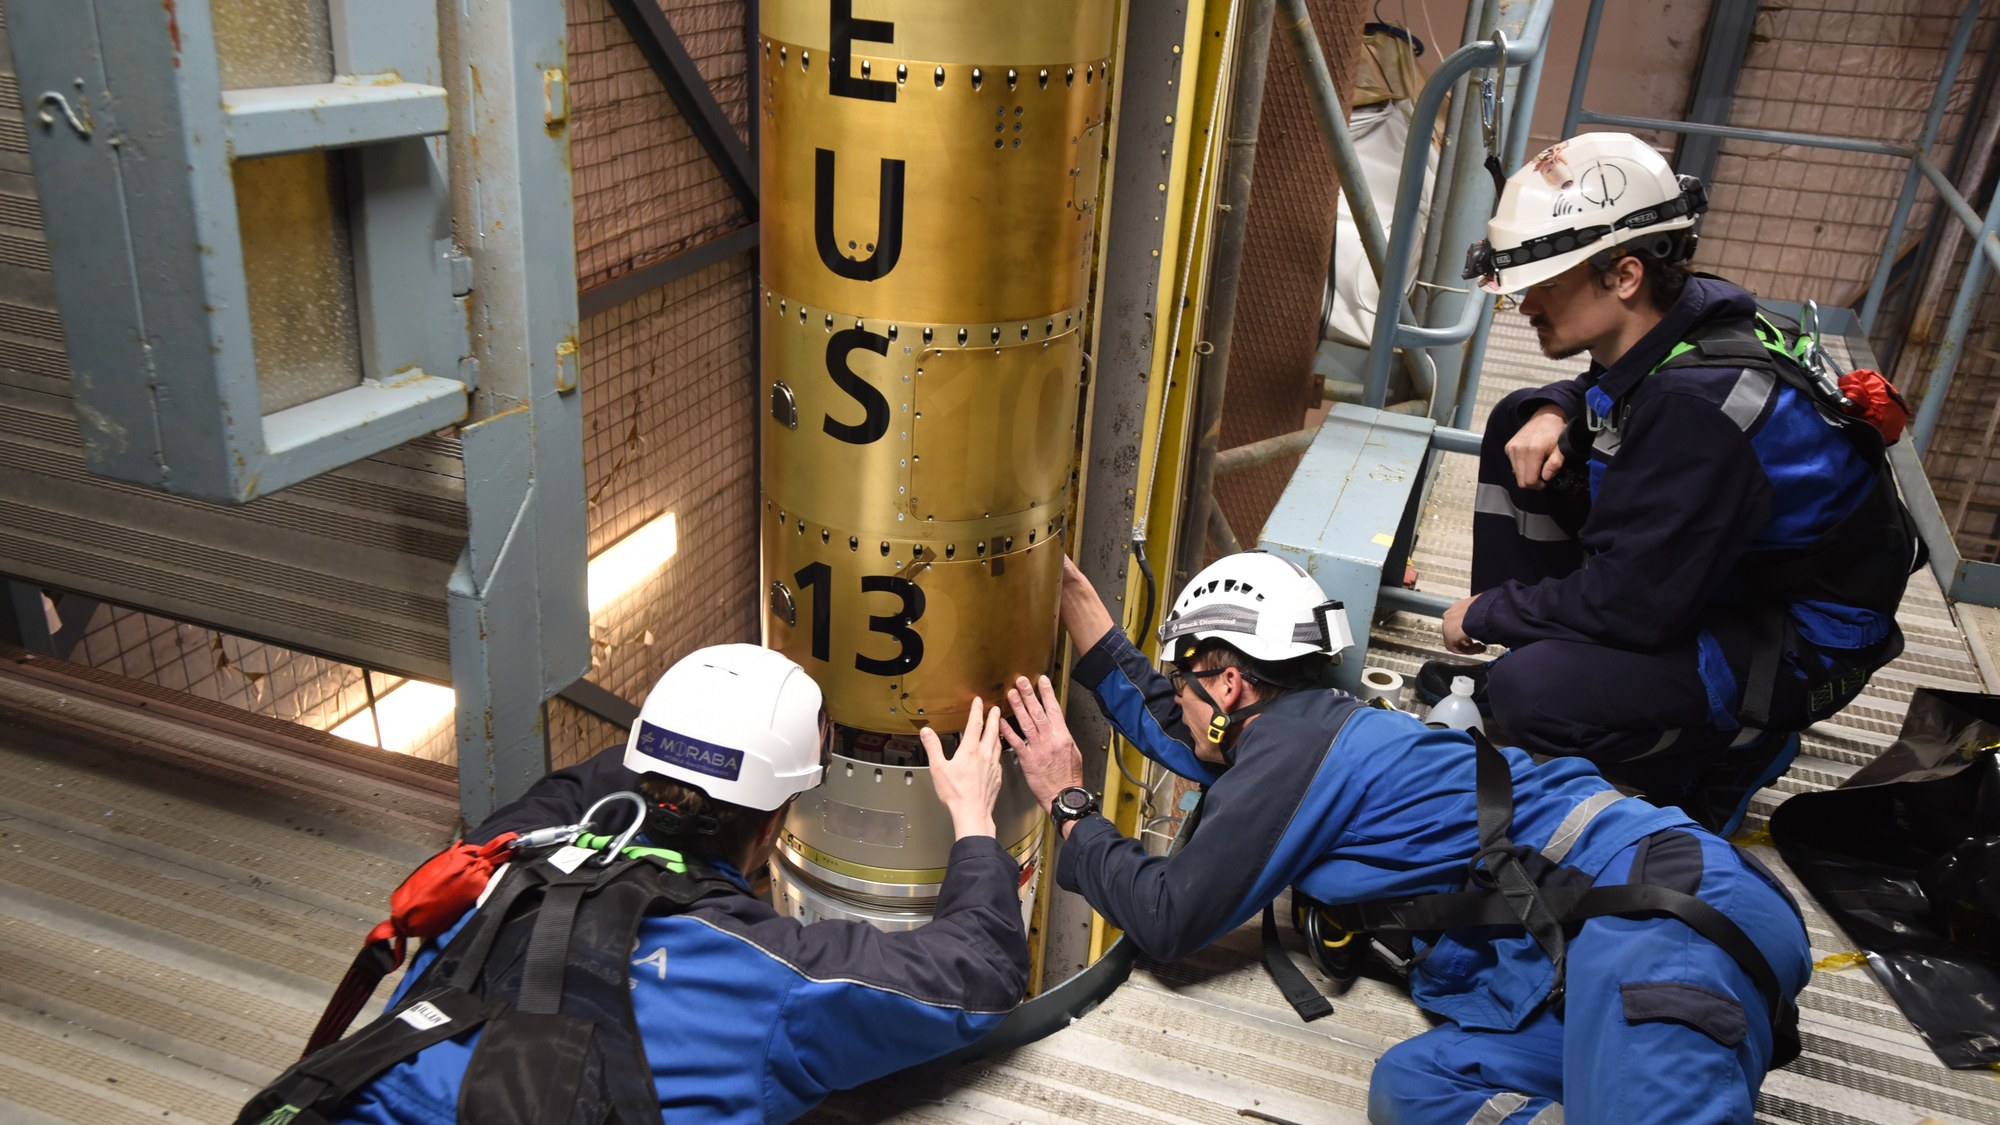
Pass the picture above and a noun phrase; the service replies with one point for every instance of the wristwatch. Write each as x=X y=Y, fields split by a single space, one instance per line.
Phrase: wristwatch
x=1073 y=804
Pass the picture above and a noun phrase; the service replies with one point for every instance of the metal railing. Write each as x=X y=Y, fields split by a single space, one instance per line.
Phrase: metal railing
x=1963 y=580
x=1469 y=195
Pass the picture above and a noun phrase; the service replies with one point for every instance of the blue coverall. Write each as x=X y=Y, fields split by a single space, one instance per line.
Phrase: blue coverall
x=752 y=1017
x=1630 y=606
x=1348 y=803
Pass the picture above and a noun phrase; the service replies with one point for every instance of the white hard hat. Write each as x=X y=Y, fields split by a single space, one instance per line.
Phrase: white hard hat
x=741 y=723
x=1577 y=198
x=1265 y=607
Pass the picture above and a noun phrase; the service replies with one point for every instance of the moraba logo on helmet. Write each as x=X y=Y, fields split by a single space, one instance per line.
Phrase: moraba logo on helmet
x=690 y=753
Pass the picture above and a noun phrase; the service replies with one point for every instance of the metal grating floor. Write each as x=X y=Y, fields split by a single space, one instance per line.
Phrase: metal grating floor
x=180 y=894
x=180 y=890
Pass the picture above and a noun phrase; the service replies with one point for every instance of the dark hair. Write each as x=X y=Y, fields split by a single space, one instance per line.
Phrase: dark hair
x=690 y=821
x=1665 y=258
x=1272 y=677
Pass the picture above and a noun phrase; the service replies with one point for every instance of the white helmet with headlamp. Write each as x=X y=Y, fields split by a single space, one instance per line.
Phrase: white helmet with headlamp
x=1579 y=198
x=741 y=723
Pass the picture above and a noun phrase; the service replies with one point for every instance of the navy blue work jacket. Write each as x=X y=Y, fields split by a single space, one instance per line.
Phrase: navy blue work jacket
x=748 y=1016
x=1697 y=469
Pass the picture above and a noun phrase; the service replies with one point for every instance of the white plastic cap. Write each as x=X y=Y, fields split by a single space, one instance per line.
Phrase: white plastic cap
x=1461 y=685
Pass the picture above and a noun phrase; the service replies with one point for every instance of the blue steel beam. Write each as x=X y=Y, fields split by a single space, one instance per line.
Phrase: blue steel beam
x=1458 y=411
x=1961 y=36
x=1740 y=133
x=1958 y=206
x=278 y=119
x=1938 y=383
x=1725 y=42
x=1467 y=189
x=675 y=68
x=1573 y=113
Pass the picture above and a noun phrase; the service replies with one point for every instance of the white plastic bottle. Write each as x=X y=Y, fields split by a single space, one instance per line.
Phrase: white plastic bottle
x=1457 y=710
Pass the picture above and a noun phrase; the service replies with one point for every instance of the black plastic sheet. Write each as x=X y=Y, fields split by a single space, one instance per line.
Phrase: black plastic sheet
x=1906 y=857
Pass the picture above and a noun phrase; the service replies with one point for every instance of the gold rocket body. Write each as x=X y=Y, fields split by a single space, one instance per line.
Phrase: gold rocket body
x=929 y=180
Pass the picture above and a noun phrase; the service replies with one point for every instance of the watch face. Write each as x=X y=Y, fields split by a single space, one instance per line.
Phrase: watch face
x=1074 y=800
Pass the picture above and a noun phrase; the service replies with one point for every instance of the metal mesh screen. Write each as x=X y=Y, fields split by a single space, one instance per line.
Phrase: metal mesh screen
x=669 y=427
x=1791 y=222
x=1285 y=252
x=645 y=189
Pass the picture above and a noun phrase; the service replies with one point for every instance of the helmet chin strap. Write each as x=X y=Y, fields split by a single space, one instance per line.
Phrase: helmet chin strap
x=1223 y=726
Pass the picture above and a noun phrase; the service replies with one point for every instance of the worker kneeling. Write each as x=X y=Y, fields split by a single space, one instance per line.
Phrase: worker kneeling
x=1593 y=954
x=1692 y=550
x=599 y=982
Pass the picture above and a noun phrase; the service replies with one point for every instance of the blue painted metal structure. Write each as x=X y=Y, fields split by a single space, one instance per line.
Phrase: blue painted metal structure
x=516 y=601
x=454 y=151
x=136 y=144
x=1345 y=514
x=1464 y=312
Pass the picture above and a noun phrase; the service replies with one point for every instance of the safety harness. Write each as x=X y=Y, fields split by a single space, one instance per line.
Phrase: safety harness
x=1510 y=885
x=543 y=968
x=1863 y=560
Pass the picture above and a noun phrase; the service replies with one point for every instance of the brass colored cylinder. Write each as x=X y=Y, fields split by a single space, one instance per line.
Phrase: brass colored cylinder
x=930 y=175
x=929 y=184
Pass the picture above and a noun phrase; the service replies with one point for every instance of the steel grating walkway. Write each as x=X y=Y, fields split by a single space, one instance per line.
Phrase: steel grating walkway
x=183 y=886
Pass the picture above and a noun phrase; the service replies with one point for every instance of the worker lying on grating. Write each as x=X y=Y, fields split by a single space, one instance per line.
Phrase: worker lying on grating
x=670 y=989
x=1593 y=955
x=1692 y=551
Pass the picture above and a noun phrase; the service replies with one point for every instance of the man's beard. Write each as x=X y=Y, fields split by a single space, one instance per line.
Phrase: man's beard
x=1552 y=351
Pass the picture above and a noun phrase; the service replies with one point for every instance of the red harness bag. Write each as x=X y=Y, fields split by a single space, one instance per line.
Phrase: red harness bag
x=1875 y=400
x=435 y=895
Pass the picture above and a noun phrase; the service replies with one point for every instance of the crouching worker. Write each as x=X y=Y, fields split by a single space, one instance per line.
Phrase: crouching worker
x=1690 y=552
x=1591 y=954
x=646 y=981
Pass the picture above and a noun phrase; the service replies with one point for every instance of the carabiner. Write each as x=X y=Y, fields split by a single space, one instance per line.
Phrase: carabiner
x=624 y=838
x=543 y=837
x=1493 y=95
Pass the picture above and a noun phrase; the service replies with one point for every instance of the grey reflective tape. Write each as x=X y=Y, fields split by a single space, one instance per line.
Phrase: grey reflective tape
x=1497 y=1108
x=1223 y=618
x=1579 y=818
x=1666 y=740
x=1494 y=501
x=1552 y=1115
x=1747 y=398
